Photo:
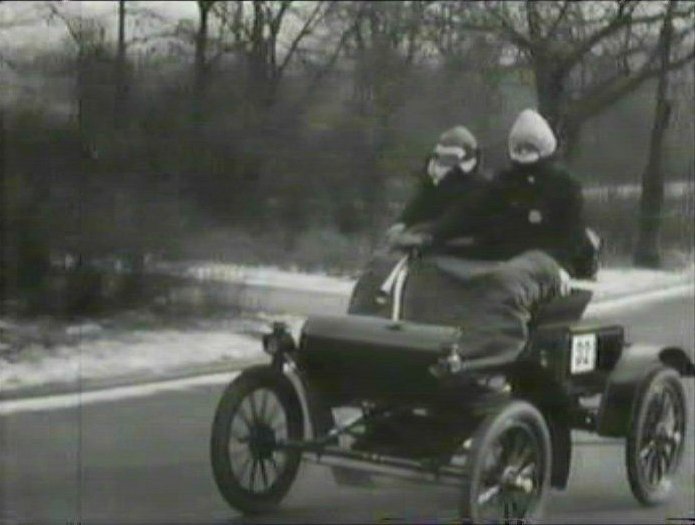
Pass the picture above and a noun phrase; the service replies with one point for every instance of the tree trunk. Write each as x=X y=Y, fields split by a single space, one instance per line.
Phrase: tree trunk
x=651 y=205
x=647 y=250
x=571 y=131
x=550 y=93
x=6 y=264
x=201 y=66
x=120 y=70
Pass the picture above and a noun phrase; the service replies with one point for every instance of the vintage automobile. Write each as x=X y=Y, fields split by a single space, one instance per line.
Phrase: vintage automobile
x=500 y=430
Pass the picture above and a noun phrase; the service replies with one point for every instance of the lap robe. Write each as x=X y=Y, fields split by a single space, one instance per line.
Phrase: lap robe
x=491 y=302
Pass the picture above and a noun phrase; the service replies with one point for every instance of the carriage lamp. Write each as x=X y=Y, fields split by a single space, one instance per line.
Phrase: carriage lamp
x=278 y=341
x=450 y=361
x=453 y=360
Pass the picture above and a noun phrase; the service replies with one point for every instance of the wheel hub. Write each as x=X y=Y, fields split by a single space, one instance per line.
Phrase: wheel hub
x=261 y=441
x=513 y=480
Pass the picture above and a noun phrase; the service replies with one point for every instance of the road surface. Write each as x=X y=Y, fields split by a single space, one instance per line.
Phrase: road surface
x=145 y=460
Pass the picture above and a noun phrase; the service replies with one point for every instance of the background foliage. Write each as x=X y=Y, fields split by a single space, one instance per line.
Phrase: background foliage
x=290 y=133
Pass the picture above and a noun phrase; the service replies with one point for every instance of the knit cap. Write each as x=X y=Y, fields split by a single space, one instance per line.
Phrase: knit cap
x=531 y=138
x=457 y=141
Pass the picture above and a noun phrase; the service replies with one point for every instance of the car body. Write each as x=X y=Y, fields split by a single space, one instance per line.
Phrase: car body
x=424 y=411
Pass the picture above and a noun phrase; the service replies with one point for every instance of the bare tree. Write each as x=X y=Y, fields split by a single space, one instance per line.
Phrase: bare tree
x=120 y=99
x=265 y=37
x=647 y=250
x=201 y=64
x=386 y=40
x=268 y=37
x=88 y=39
x=557 y=38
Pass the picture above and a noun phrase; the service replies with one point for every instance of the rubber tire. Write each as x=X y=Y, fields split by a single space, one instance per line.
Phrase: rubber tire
x=488 y=431
x=639 y=488
x=237 y=496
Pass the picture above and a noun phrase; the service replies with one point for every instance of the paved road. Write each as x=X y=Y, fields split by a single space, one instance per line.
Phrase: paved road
x=144 y=460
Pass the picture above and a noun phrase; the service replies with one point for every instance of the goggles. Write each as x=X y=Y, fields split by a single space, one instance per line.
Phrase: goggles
x=446 y=158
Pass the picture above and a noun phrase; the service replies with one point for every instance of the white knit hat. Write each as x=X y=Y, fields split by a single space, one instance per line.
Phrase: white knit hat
x=531 y=138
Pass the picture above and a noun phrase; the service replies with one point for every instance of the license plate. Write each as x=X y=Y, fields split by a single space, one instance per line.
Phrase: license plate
x=583 y=353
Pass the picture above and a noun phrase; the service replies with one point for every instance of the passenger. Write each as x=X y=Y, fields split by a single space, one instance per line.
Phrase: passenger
x=537 y=205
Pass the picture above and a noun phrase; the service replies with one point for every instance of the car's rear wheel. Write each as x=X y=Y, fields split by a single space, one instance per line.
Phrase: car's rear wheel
x=255 y=412
x=656 y=436
x=507 y=473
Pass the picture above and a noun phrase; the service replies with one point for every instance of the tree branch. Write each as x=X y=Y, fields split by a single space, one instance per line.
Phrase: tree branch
x=328 y=66
x=560 y=17
x=598 y=99
x=306 y=29
x=276 y=21
x=149 y=38
x=514 y=36
x=532 y=21
x=54 y=12
x=414 y=24
x=620 y=21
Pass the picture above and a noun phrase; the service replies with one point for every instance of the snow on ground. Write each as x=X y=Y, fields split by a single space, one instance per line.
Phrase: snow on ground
x=258 y=276
x=618 y=282
x=672 y=189
x=102 y=350
x=150 y=352
x=611 y=282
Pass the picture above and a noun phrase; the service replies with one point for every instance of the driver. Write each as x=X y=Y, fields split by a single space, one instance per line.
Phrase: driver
x=452 y=179
x=452 y=183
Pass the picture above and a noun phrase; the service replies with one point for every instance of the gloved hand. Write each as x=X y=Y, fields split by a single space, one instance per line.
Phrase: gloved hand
x=408 y=239
x=393 y=232
x=565 y=283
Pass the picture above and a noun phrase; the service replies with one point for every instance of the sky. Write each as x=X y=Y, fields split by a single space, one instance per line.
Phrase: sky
x=23 y=24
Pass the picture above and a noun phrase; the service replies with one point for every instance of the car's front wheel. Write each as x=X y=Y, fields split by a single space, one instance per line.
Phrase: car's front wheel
x=508 y=468
x=256 y=411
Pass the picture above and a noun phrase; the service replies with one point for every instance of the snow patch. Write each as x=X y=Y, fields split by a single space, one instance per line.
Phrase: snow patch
x=611 y=282
x=137 y=352
x=83 y=330
x=619 y=282
x=91 y=351
x=262 y=276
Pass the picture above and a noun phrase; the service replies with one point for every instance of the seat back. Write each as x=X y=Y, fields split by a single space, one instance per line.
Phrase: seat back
x=563 y=310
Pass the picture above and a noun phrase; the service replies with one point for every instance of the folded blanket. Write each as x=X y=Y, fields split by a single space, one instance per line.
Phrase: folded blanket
x=491 y=302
